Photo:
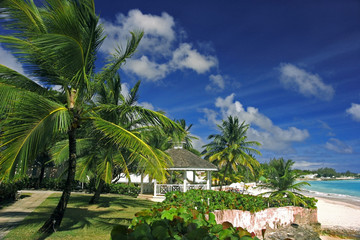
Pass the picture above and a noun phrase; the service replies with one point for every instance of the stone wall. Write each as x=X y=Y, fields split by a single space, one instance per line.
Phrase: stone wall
x=273 y=218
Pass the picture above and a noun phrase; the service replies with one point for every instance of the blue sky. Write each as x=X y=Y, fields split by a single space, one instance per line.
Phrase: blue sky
x=288 y=68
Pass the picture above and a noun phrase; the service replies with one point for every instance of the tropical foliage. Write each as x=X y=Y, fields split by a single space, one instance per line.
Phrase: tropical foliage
x=209 y=200
x=178 y=223
x=282 y=180
x=57 y=43
x=230 y=148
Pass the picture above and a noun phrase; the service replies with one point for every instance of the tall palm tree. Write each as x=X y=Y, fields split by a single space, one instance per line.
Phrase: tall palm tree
x=282 y=181
x=231 y=148
x=57 y=43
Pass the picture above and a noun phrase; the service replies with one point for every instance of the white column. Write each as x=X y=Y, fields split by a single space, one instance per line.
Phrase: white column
x=208 y=182
x=193 y=177
x=142 y=184
x=185 y=181
x=155 y=187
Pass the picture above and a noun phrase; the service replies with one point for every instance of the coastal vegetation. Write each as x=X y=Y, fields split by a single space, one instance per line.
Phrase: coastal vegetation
x=325 y=173
x=281 y=179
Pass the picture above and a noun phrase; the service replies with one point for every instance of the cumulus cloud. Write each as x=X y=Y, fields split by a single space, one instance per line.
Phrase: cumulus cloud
x=159 y=52
x=308 y=84
x=217 y=83
x=146 y=69
x=354 y=111
x=186 y=57
x=159 y=31
x=338 y=146
x=10 y=61
x=262 y=129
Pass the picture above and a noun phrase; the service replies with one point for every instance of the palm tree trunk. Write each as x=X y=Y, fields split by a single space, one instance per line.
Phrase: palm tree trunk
x=41 y=176
x=53 y=223
x=223 y=180
x=95 y=198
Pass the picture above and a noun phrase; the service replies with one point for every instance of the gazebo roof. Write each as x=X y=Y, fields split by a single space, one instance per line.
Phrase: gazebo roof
x=186 y=160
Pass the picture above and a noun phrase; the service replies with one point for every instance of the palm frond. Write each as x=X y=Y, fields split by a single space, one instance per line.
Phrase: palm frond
x=11 y=77
x=60 y=151
x=123 y=138
x=27 y=129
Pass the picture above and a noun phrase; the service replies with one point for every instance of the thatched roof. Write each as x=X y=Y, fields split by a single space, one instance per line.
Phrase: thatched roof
x=186 y=160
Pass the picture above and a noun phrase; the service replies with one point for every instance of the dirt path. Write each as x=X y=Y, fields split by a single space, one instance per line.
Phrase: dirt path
x=12 y=216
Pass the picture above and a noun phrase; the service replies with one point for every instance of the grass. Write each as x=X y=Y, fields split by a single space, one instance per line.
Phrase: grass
x=81 y=220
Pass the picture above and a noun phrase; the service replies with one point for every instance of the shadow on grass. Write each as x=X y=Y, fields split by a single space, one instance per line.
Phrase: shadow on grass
x=111 y=211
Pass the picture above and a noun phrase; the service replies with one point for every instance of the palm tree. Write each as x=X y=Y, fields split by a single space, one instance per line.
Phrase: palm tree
x=57 y=43
x=230 y=148
x=282 y=180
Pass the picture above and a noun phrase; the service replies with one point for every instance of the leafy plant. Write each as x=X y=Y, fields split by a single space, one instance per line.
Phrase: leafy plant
x=178 y=223
x=208 y=200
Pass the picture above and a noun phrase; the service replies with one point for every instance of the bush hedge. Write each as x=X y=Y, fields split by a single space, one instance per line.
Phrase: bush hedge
x=8 y=192
x=208 y=200
x=58 y=184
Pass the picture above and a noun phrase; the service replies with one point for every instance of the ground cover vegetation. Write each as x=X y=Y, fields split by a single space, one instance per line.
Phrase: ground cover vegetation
x=178 y=223
x=189 y=216
x=58 y=43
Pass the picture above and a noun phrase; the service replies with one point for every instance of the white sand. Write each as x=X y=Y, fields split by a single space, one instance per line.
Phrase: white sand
x=333 y=213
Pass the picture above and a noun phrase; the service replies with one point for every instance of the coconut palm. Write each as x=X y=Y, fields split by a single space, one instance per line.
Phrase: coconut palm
x=57 y=43
x=282 y=180
x=231 y=148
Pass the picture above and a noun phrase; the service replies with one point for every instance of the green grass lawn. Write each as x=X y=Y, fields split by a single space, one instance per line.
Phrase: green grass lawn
x=81 y=220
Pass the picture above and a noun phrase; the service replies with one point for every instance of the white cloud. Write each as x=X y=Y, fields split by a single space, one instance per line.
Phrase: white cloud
x=354 y=111
x=186 y=57
x=159 y=31
x=147 y=105
x=159 y=52
x=308 y=84
x=146 y=69
x=10 y=61
x=217 y=83
x=198 y=143
x=307 y=165
x=338 y=146
x=262 y=129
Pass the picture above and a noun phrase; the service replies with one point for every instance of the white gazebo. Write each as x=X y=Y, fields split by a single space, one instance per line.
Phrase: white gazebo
x=187 y=162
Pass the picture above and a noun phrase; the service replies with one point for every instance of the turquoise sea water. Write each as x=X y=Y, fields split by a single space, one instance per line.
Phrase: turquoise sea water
x=346 y=188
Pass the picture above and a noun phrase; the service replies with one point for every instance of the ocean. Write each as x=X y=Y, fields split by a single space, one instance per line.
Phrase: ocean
x=341 y=189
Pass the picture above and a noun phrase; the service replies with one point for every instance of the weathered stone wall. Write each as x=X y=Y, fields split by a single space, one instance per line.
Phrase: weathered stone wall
x=273 y=218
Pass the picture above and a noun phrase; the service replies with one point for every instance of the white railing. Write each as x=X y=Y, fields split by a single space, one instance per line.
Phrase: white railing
x=162 y=189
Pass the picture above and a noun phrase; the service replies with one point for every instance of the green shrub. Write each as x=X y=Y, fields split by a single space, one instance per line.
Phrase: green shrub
x=178 y=223
x=8 y=192
x=124 y=189
x=56 y=184
x=117 y=188
x=208 y=200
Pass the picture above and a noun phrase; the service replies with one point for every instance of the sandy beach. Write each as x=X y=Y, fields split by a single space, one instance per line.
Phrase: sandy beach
x=335 y=213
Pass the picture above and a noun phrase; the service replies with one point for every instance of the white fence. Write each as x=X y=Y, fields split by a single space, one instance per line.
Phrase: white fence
x=162 y=189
